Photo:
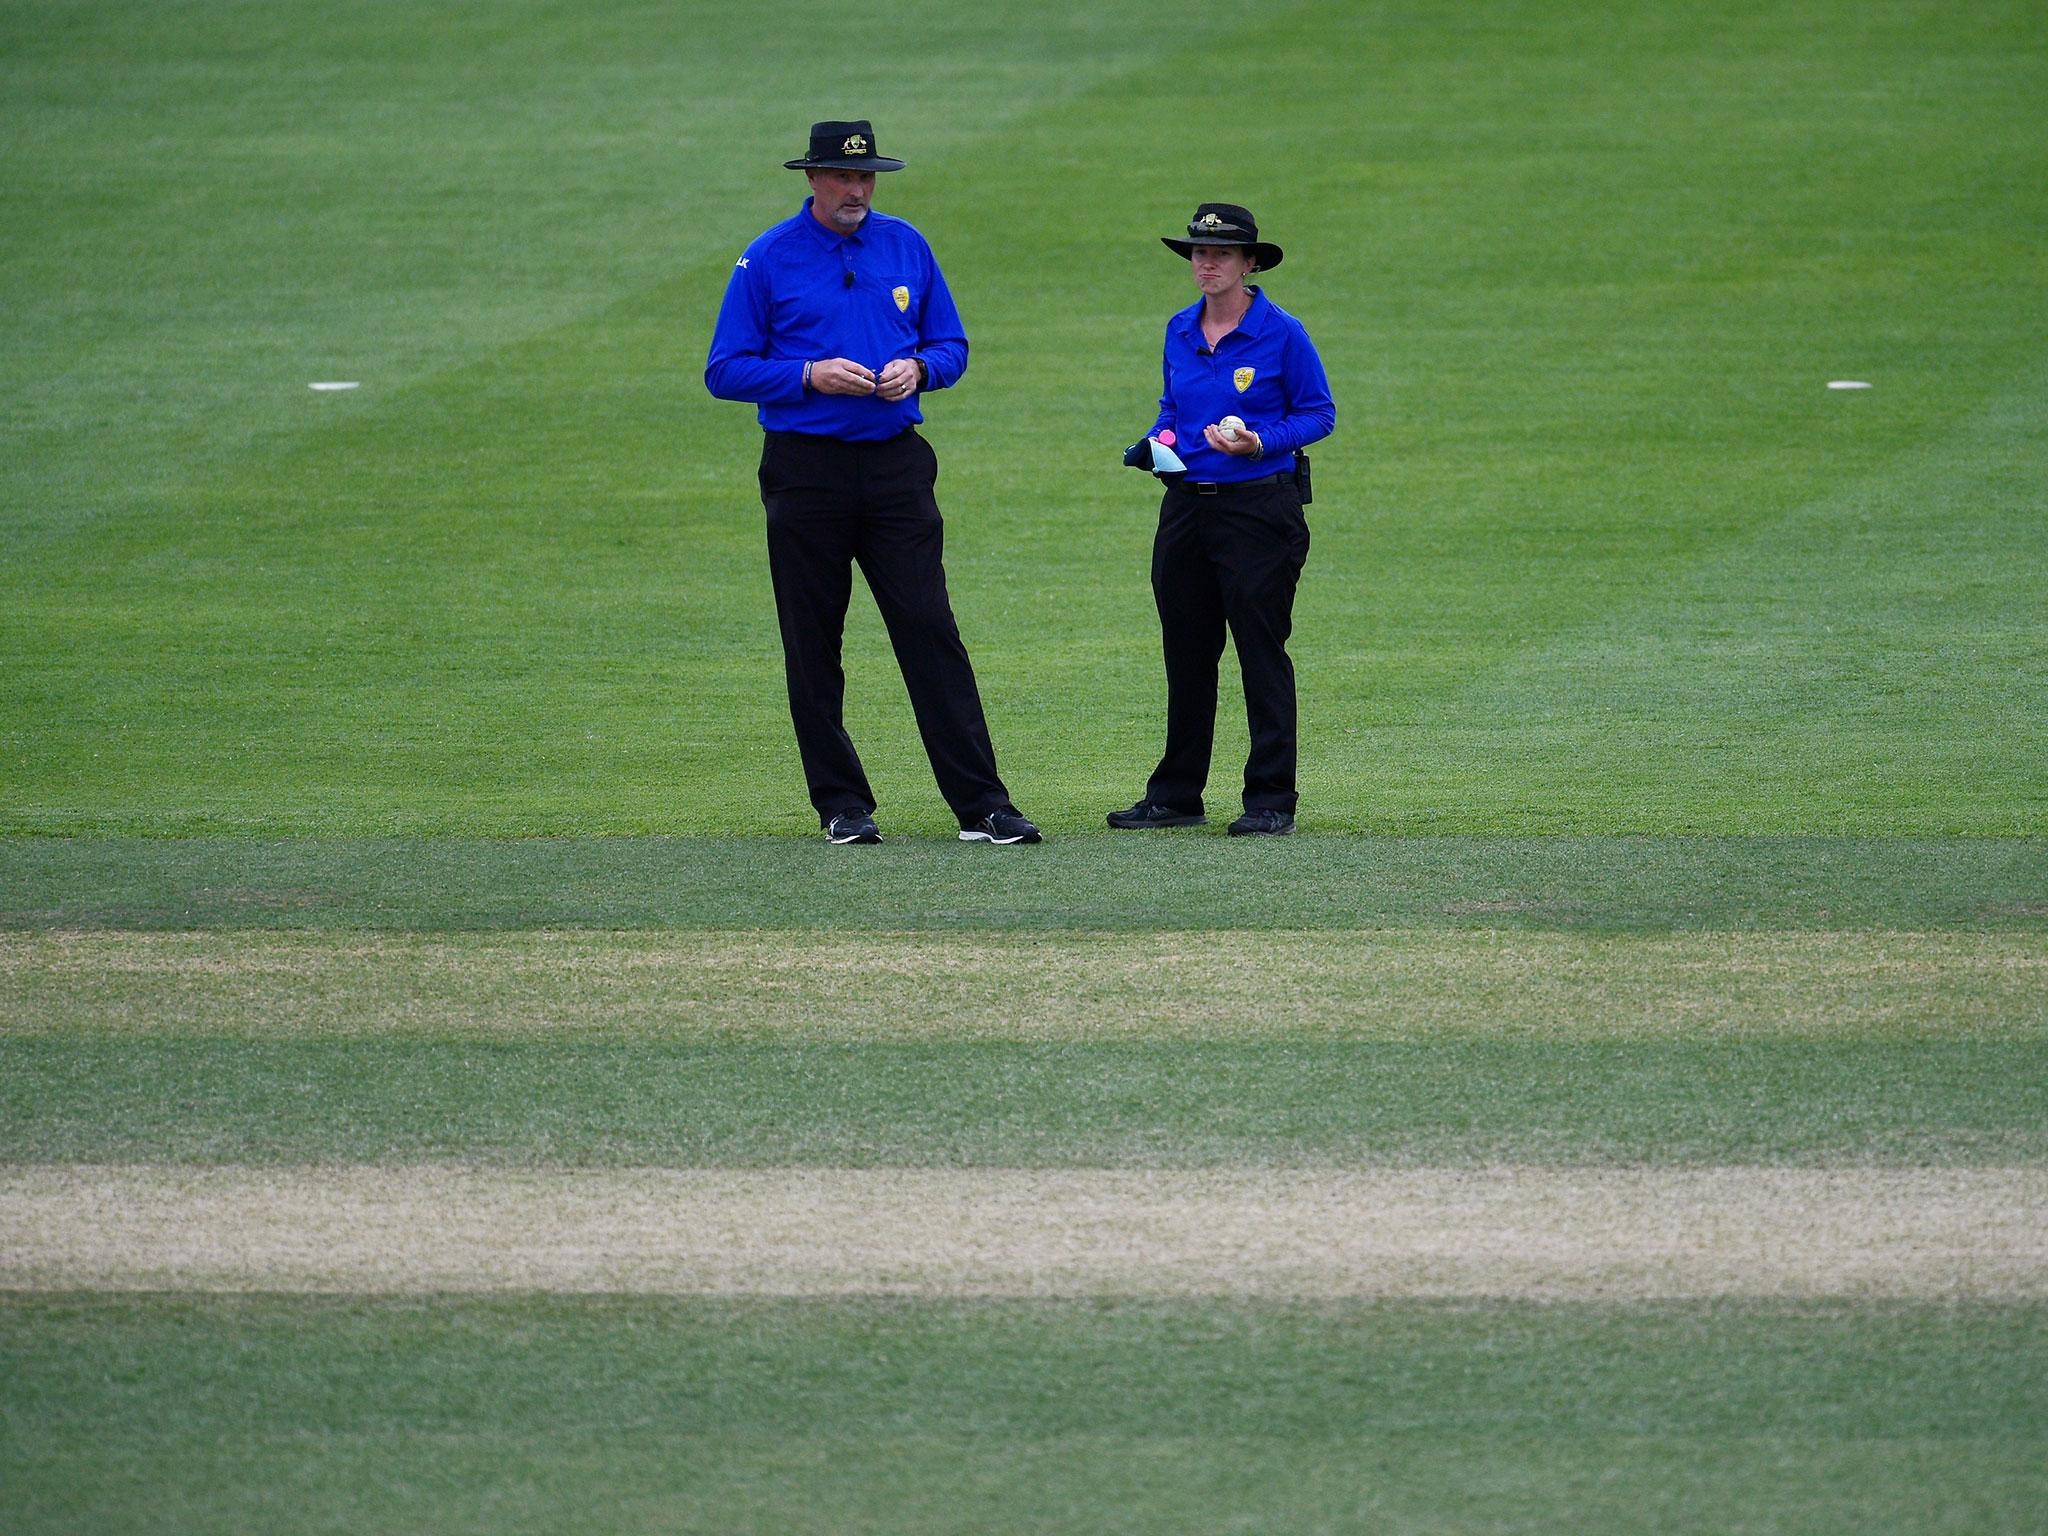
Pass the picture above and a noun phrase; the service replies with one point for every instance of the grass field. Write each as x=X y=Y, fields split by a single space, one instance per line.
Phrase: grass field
x=446 y=1085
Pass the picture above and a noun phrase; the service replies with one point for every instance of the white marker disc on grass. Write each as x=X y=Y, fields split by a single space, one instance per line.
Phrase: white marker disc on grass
x=351 y=385
x=1847 y=384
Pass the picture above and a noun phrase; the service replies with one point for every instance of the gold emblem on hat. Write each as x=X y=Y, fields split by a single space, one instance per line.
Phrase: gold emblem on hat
x=1243 y=378
x=902 y=298
x=855 y=145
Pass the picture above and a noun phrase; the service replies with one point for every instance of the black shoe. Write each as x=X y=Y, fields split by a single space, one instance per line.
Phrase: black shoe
x=1004 y=826
x=1150 y=813
x=1262 y=824
x=852 y=827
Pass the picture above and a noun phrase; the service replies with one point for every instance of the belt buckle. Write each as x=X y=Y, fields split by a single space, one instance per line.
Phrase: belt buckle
x=1206 y=487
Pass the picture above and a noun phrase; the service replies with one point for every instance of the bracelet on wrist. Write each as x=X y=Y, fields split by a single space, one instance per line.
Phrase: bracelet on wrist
x=807 y=376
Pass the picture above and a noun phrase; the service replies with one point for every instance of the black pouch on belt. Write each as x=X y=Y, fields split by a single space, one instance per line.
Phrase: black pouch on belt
x=1301 y=477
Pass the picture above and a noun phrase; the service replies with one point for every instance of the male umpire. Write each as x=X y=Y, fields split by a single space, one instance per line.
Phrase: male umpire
x=833 y=322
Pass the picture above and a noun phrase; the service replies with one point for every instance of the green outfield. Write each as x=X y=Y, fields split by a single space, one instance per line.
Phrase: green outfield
x=447 y=1085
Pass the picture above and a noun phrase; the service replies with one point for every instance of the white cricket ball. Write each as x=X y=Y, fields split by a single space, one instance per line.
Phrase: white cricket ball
x=1230 y=426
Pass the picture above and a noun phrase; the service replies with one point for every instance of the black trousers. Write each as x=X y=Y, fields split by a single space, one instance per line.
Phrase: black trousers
x=1230 y=560
x=832 y=504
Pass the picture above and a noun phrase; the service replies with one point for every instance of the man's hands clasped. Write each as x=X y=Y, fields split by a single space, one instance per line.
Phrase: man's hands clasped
x=898 y=380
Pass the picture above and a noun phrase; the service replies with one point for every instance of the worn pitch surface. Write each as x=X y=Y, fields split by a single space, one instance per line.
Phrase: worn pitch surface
x=1510 y=1233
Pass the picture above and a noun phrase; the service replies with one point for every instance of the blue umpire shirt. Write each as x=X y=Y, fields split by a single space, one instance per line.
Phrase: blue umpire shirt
x=1266 y=372
x=802 y=293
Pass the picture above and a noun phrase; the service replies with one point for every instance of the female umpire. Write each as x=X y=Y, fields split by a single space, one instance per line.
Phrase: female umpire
x=1232 y=538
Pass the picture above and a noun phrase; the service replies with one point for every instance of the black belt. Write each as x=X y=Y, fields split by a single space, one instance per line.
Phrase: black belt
x=844 y=442
x=1224 y=487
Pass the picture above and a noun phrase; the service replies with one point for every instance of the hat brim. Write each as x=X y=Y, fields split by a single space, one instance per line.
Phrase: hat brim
x=864 y=163
x=1266 y=255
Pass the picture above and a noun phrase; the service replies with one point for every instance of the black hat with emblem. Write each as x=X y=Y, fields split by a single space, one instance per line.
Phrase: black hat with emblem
x=1225 y=224
x=843 y=147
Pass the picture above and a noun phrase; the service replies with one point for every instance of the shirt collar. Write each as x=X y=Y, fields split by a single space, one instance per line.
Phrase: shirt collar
x=831 y=239
x=1253 y=323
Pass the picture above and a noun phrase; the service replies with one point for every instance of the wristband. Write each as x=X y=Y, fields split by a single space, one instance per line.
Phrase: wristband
x=807 y=376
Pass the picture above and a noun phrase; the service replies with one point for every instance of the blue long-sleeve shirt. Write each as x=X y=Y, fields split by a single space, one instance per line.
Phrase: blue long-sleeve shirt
x=802 y=293
x=1266 y=372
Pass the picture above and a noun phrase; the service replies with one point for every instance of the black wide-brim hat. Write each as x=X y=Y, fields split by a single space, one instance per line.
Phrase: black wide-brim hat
x=1225 y=224
x=843 y=147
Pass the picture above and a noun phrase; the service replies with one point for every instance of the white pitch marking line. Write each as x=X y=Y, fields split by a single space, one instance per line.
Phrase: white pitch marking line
x=350 y=384
x=1847 y=384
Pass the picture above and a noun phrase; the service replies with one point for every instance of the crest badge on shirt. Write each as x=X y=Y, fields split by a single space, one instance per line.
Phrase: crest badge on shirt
x=1243 y=378
x=902 y=298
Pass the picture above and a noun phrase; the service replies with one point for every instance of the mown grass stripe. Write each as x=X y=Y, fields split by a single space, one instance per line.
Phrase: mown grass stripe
x=1284 y=1101
x=1234 y=984
x=1498 y=1232
x=593 y=1415
x=1097 y=881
